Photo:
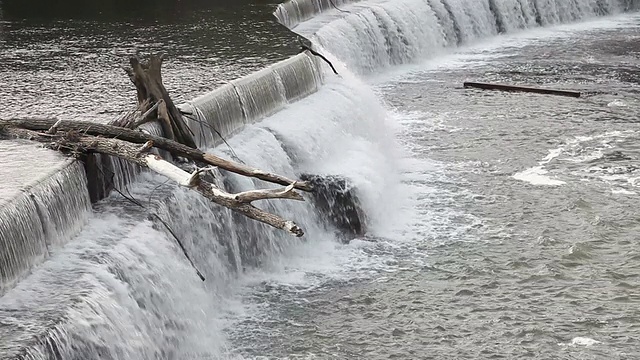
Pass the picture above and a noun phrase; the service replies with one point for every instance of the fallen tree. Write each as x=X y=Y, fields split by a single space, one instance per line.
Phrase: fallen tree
x=138 y=137
x=77 y=142
x=124 y=140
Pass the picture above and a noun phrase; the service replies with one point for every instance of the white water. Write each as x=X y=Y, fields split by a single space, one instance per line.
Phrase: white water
x=123 y=289
x=379 y=34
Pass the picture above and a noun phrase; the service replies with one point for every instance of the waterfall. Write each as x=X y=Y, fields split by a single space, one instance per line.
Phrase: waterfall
x=378 y=34
x=40 y=216
x=123 y=289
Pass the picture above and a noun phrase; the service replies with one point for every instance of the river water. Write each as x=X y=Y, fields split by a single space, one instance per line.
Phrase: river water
x=521 y=239
x=502 y=225
x=55 y=64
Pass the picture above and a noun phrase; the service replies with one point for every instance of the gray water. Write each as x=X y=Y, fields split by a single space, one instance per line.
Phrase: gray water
x=71 y=67
x=521 y=240
x=501 y=225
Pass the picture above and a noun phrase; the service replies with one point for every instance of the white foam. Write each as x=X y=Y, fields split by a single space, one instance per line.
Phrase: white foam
x=622 y=192
x=552 y=155
x=581 y=341
x=536 y=176
x=617 y=103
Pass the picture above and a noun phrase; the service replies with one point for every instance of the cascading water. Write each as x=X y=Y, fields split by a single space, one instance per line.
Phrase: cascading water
x=293 y=12
x=378 y=34
x=124 y=290
x=39 y=216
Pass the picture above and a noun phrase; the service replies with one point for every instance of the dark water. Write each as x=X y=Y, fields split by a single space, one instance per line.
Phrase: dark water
x=64 y=59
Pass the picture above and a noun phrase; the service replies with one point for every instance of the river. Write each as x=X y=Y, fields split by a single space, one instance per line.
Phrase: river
x=501 y=225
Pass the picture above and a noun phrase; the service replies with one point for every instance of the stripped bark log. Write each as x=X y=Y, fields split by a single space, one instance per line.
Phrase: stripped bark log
x=241 y=202
x=91 y=128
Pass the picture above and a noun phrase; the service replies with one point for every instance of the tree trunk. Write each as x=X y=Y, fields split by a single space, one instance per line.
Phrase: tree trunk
x=91 y=128
x=241 y=202
x=151 y=93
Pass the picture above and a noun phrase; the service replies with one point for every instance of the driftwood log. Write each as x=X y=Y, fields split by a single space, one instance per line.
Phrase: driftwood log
x=77 y=142
x=502 y=87
x=154 y=101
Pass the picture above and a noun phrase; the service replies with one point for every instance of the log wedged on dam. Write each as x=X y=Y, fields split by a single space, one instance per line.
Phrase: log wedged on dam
x=45 y=214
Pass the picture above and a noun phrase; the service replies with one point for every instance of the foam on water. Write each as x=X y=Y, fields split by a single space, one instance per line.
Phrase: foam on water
x=581 y=341
x=537 y=176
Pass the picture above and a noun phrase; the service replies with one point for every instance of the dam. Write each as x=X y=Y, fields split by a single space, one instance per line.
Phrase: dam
x=102 y=281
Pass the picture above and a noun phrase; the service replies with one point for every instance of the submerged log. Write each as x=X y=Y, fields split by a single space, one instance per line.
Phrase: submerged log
x=242 y=202
x=501 y=87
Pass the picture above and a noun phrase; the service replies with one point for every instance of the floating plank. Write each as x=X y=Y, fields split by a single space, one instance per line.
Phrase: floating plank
x=501 y=87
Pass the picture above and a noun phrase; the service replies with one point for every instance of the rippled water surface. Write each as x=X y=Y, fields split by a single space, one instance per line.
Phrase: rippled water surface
x=524 y=241
x=72 y=68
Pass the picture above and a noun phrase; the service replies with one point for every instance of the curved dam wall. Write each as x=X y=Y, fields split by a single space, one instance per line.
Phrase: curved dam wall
x=40 y=207
x=293 y=12
x=225 y=111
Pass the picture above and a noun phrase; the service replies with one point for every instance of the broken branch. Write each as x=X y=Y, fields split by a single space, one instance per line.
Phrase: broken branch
x=91 y=128
x=240 y=203
x=501 y=87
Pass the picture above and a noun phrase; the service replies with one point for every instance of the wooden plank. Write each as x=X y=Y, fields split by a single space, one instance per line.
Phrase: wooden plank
x=501 y=87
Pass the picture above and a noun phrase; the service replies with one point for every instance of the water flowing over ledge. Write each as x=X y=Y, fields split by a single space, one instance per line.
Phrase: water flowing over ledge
x=44 y=210
x=375 y=35
x=226 y=110
x=122 y=278
x=293 y=12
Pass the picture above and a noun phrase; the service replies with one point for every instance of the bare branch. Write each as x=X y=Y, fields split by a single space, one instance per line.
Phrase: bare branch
x=253 y=195
x=125 y=150
x=92 y=128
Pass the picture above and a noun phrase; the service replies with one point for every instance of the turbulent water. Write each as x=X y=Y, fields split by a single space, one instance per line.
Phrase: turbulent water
x=502 y=225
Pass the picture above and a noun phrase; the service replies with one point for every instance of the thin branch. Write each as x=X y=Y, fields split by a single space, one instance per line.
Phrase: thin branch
x=203 y=123
x=133 y=136
x=315 y=53
x=133 y=200
x=337 y=8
